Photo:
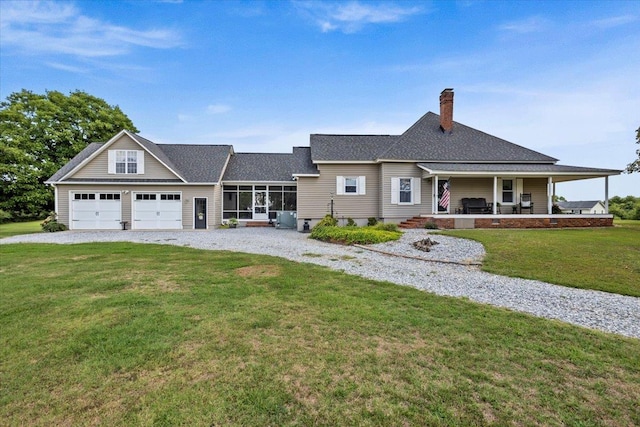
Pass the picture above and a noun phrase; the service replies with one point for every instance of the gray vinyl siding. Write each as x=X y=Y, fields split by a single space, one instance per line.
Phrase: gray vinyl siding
x=395 y=213
x=538 y=189
x=314 y=194
x=188 y=193
x=216 y=206
x=99 y=166
x=469 y=187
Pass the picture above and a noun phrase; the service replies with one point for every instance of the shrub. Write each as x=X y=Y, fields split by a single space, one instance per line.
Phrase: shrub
x=386 y=226
x=327 y=221
x=431 y=225
x=4 y=216
x=351 y=223
x=51 y=224
x=371 y=221
x=353 y=235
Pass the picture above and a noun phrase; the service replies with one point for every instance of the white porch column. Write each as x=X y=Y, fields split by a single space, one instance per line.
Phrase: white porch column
x=495 y=195
x=550 y=191
x=606 y=194
x=434 y=204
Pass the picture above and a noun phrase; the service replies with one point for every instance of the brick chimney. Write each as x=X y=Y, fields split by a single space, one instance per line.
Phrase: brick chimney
x=446 y=110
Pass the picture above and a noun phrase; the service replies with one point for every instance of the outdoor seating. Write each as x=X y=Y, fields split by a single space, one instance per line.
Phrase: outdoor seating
x=476 y=205
x=526 y=202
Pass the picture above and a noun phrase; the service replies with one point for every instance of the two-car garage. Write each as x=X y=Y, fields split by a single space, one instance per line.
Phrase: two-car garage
x=104 y=210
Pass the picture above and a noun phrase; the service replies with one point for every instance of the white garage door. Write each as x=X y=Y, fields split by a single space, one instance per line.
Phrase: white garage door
x=157 y=211
x=95 y=211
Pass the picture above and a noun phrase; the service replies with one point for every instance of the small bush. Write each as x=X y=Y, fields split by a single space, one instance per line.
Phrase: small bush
x=386 y=227
x=5 y=216
x=371 y=221
x=327 y=221
x=51 y=224
x=353 y=235
x=431 y=225
x=351 y=223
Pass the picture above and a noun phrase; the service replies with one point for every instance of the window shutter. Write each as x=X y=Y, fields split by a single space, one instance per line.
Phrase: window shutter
x=111 y=168
x=415 y=191
x=362 y=185
x=339 y=185
x=395 y=190
x=140 y=159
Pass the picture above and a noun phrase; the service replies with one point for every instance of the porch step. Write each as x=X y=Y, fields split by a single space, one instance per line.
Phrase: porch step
x=258 y=224
x=415 y=222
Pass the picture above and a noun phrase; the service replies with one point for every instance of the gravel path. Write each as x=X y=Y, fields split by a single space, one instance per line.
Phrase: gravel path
x=592 y=309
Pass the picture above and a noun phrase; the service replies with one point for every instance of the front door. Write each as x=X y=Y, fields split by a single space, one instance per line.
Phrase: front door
x=260 y=205
x=200 y=220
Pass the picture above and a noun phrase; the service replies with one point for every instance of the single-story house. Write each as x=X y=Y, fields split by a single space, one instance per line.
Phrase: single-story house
x=438 y=170
x=592 y=207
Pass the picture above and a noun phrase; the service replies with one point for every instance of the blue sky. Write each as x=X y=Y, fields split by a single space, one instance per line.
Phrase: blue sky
x=560 y=77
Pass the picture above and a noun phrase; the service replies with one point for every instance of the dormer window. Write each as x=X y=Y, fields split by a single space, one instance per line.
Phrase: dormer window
x=126 y=161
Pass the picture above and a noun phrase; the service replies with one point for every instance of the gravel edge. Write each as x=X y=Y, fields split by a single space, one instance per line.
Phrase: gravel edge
x=591 y=309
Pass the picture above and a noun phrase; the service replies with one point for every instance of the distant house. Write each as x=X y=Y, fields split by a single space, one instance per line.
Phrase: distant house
x=438 y=170
x=592 y=207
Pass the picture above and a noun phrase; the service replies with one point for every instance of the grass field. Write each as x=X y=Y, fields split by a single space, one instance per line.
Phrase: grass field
x=605 y=259
x=15 y=228
x=127 y=334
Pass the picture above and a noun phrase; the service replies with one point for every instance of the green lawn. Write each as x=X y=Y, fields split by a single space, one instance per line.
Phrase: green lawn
x=15 y=228
x=606 y=259
x=127 y=334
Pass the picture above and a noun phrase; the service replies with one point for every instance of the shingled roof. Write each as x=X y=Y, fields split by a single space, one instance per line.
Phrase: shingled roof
x=194 y=163
x=349 y=147
x=424 y=141
x=73 y=163
x=197 y=163
x=269 y=166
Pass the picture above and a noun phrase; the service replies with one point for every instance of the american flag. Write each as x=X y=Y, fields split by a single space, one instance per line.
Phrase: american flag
x=444 y=199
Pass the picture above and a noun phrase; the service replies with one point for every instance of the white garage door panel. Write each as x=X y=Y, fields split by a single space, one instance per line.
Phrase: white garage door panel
x=158 y=214
x=96 y=214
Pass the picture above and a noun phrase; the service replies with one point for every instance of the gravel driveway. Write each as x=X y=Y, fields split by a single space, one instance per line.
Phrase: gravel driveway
x=592 y=309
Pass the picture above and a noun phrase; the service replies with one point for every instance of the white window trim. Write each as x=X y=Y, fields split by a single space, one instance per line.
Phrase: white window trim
x=416 y=190
x=112 y=156
x=341 y=185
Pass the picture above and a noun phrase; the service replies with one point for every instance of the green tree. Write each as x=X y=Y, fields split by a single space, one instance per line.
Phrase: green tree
x=39 y=134
x=635 y=166
x=625 y=207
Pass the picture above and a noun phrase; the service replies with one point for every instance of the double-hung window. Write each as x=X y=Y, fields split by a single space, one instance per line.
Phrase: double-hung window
x=405 y=190
x=126 y=161
x=507 y=191
x=351 y=185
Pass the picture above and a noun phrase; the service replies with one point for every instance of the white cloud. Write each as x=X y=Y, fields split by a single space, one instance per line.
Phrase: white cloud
x=66 y=67
x=60 y=28
x=532 y=24
x=353 y=16
x=218 y=109
x=614 y=21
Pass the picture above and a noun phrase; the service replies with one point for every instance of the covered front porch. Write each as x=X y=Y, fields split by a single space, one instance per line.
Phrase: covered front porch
x=504 y=189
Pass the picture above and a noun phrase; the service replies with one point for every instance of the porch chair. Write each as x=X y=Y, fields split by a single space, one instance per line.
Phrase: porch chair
x=525 y=202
